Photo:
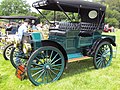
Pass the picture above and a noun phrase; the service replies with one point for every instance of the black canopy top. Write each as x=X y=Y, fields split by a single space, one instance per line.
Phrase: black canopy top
x=67 y=5
x=18 y=17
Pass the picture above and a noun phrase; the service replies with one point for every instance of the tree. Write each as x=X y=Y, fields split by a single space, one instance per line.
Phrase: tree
x=112 y=22
x=112 y=12
x=113 y=4
x=50 y=16
x=14 y=7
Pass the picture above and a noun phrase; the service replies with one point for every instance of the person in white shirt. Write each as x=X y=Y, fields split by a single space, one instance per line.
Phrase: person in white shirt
x=22 y=29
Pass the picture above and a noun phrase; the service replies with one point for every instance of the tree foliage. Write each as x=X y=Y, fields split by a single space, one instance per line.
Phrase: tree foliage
x=112 y=11
x=113 y=4
x=112 y=17
x=59 y=16
x=14 y=7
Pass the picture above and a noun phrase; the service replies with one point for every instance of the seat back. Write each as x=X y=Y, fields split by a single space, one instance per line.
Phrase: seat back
x=66 y=26
x=87 y=29
x=68 y=29
x=36 y=36
x=88 y=26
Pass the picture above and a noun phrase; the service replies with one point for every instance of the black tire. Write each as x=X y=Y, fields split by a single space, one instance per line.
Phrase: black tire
x=7 y=51
x=103 y=55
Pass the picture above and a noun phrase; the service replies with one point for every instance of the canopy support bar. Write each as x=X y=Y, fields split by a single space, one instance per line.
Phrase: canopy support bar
x=43 y=15
x=54 y=16
x=64 y=12
x=101 y=20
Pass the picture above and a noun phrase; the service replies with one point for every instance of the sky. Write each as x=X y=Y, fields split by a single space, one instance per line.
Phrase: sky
x=30 y=2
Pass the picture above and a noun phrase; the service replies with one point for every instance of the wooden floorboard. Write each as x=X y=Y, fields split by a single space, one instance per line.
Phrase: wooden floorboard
x=78 y=59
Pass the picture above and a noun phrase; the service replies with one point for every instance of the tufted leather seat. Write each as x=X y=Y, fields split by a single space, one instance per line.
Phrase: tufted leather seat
x=65 y=27
x=87 y=29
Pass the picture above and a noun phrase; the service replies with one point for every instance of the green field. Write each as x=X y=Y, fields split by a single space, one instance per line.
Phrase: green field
x=78 y=76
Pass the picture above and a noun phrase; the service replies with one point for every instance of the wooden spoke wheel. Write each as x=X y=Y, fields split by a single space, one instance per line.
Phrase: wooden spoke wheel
x=103 y=55
x=17 y=57
x=45 y=65
x=7 y=51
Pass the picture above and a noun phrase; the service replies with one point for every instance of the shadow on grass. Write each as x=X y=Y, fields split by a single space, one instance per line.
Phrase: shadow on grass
x=78 y=67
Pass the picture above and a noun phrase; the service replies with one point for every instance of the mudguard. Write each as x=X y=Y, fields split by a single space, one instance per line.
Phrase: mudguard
x=97 y=42
x=55 y=44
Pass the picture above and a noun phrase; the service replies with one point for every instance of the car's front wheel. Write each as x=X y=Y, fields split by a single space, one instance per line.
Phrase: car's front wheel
x=45 y=65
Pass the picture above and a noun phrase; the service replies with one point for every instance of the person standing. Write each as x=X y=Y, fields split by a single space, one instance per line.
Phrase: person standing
x=23 y=29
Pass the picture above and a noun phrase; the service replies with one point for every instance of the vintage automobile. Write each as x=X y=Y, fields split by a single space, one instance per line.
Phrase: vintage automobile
x=45 y=60
x=9 y=38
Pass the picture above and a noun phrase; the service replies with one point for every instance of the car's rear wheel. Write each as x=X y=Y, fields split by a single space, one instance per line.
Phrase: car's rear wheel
x=103 y=55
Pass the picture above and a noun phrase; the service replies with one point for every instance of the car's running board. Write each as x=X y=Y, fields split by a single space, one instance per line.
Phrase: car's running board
x=78 y=59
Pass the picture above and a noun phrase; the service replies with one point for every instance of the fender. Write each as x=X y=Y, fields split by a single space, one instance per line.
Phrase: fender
x=97 y=42
x=57 y=45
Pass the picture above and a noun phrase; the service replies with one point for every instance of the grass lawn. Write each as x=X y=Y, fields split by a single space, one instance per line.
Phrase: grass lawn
x=79 y=76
